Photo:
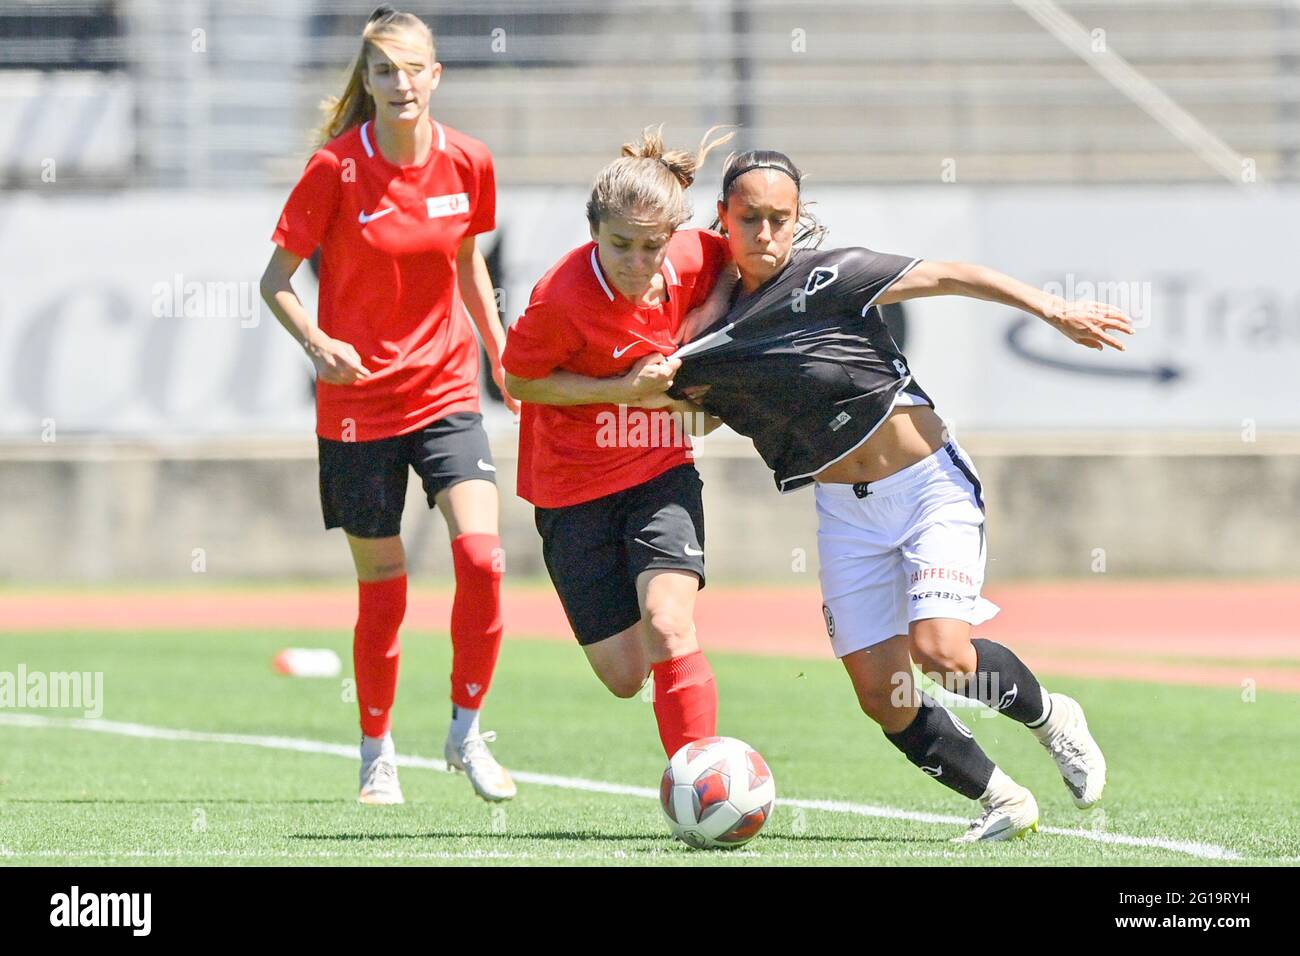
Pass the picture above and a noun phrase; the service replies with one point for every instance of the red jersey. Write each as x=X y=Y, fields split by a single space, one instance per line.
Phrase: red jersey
x=576 y=322
x=388 y=237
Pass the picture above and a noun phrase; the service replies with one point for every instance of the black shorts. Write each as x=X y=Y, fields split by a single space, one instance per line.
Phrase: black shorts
x=363 y=483
x=594 y=551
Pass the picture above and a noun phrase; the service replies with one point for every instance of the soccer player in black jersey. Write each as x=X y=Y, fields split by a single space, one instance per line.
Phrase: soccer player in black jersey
x=803 y=365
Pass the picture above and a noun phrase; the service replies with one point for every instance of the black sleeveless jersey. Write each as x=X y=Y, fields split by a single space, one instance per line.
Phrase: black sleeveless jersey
x=804 y=365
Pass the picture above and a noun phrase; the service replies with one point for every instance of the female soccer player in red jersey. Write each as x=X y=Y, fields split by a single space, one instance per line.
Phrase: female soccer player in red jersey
x=803 y=365
x=619 y=512
x=394 y=200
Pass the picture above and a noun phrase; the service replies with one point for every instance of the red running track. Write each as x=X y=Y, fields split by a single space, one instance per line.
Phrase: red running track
x=1213 y=634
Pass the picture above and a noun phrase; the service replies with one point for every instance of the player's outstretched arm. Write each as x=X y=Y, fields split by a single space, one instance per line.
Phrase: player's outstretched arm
x=337 y=362
x=1088 y=323
x=650 y=376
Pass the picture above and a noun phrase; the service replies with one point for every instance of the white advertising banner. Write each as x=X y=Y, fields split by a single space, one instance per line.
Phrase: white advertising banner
x=139 y=313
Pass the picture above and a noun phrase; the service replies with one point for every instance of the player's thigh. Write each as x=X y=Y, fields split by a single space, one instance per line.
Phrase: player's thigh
x=863 y=596
x=470 y=507
x=944 y=556
x=620 y=661
x=584 y=554
x=454 y=462
x=378 y=559
x=667 y=601
x=882 y=679
x=363 y=486
x=942 y=648
x=663 y=529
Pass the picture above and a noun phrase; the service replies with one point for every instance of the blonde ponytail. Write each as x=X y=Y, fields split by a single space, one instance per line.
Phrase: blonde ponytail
x=648 y=182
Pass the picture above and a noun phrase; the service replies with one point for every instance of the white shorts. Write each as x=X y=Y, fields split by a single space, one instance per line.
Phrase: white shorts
x=902 y=549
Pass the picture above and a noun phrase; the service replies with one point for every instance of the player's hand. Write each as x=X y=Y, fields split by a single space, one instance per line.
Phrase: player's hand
x=1090 y=324
x=651 y=375
x=337 y=363
x=696 y=392
x=499 y=376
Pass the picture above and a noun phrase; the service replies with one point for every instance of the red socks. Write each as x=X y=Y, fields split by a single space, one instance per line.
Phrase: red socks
x=375 y=650
x=475 y=617
x=686 y=700
x=475 y=632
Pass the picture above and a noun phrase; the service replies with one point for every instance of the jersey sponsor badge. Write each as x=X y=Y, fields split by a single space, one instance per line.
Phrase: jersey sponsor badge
x=452 y=204
x=820 y=278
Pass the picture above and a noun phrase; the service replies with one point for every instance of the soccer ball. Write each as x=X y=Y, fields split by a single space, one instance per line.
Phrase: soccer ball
x=717 y=793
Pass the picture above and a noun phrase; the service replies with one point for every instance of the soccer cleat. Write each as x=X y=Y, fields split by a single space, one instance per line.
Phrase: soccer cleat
x=379 y=786
x=1007 y=819
x=1066 y=737
x=491 y=780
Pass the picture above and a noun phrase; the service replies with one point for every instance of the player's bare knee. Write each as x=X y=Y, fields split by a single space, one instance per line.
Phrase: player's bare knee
x=382 y=571
x=945 y=667
x=624 y=684
x=670 y=632
x=936 y=655
x=875 y=702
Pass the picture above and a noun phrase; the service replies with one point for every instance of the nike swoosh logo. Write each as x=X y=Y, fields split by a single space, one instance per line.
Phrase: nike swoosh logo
x=692 y=552
x=618 y=353
x=485 y=466
x=654 y=547
x=363 y=218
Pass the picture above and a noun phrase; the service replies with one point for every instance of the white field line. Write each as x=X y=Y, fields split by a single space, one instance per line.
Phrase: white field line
x=1207 y=851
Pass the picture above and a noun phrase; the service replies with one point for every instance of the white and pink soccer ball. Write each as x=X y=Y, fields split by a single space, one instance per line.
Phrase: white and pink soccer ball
x=717 y=793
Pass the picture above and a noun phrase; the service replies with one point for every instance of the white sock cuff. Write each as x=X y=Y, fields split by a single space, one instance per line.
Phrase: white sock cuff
x=1000 y=786
x=372 y=747
x=464 y=721
x=1041 y=722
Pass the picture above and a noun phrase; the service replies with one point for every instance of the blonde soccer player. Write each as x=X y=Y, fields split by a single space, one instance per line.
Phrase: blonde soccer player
x=394 y=200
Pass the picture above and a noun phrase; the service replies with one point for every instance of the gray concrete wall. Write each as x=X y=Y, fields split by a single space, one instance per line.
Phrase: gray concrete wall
x=1140 y=506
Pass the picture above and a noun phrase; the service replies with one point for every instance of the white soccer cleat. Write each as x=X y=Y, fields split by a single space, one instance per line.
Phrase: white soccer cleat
x=379 y=786
x=491 y=780
x=1066 y=737
x=1006 y=819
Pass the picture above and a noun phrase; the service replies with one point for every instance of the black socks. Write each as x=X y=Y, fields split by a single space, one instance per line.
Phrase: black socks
x=944 y=748
x=1004 y=683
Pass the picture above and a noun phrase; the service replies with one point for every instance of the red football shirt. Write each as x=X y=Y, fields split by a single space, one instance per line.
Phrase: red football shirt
x=388 y=236
x=575 y=321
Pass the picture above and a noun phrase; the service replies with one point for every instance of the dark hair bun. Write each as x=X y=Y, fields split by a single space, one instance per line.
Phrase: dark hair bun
x=381 y=12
